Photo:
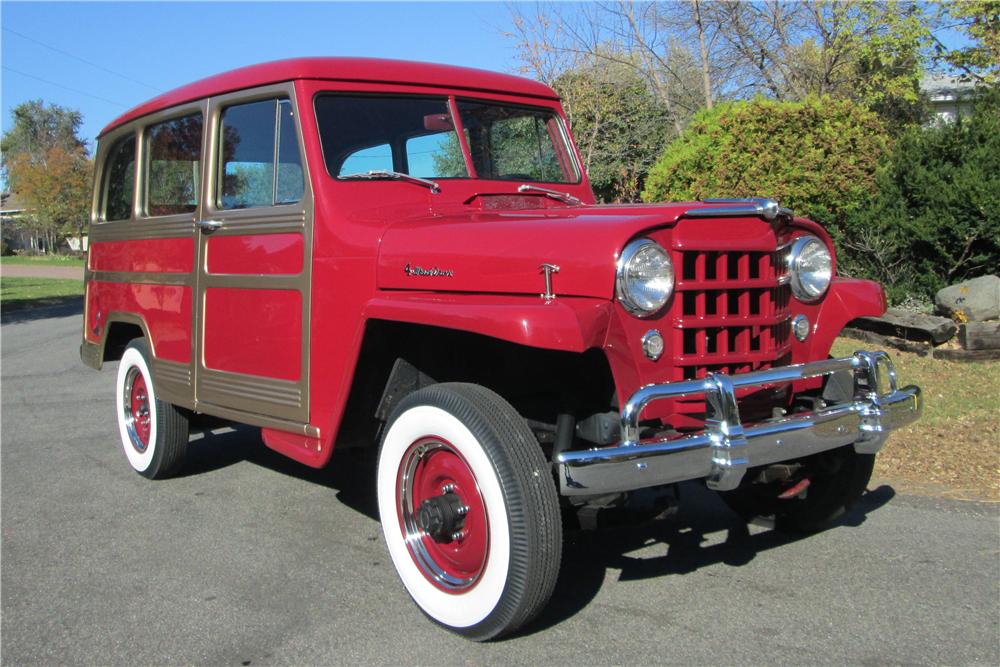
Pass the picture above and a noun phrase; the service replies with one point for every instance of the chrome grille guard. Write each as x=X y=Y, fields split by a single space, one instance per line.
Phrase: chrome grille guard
x=723 y=451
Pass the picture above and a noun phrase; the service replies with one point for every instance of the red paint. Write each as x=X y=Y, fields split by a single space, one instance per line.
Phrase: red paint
x=148 y=256
x=165 y=309
x=464 y=558
x=253 y=331
x=271 y=254
x=302 y=448
x=342 y=69
x=491 y=239
x=139 y=406
x=562 y=324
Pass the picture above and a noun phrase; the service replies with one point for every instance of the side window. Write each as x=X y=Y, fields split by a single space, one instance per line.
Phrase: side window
x=119 y=180
x=260 y=163
x=174 y=165
x=373 y=158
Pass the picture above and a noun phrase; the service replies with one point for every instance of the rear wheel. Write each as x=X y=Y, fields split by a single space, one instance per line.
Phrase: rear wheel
x=469 y=510
x=154 y=434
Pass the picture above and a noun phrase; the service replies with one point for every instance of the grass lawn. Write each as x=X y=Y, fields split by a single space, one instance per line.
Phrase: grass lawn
x=18 y=293
x=954 y=449
x=43 y=260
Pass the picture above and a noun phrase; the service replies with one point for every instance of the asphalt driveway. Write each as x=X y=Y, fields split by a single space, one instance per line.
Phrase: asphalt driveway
x=251 y=559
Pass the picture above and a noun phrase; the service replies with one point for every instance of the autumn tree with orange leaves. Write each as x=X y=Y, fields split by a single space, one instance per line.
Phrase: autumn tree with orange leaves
x=46 y=163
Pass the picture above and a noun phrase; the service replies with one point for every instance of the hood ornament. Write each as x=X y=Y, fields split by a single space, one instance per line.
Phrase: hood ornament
x=548 y=270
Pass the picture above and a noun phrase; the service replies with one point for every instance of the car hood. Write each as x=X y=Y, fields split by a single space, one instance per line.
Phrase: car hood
x=502 y=252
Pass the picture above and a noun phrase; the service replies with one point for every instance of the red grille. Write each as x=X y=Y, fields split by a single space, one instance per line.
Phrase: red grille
x=731 y=311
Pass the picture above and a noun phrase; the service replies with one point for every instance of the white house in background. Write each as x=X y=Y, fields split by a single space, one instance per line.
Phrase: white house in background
x=950 y=97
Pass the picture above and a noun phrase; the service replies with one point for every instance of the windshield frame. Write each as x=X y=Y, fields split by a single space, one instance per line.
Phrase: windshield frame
x=451 y=100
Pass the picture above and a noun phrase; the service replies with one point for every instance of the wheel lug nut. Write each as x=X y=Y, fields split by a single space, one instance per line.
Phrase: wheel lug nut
x=448 y=488
x=457 y=536
x=463 y=510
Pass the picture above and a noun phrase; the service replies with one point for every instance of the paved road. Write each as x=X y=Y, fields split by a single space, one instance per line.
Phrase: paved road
x=252 y=560
x=40 y=271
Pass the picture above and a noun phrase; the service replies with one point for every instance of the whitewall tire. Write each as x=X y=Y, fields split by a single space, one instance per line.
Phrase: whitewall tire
x=469 y=510
x=154 y=434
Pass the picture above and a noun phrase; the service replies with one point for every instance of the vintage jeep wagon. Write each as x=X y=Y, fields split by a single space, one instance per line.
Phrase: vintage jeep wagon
x=410 y=257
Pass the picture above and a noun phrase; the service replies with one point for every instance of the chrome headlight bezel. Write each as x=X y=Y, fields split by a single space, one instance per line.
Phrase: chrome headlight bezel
x=809 y=246
x=632 y=301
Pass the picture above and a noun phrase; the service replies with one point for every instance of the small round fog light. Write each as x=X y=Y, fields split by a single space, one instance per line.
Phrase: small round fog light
x=652 y=344
x=800 y=327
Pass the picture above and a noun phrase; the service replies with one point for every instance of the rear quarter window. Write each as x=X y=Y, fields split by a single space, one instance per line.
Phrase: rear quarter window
x=119 y=180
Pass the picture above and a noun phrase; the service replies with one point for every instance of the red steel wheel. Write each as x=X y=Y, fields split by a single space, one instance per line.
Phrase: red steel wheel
x=154 y=434
x=442 y=515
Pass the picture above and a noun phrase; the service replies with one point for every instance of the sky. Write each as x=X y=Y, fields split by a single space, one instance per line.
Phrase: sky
x=104 y=58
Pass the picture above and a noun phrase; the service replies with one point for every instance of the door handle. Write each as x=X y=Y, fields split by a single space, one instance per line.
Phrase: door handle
x=209 y=226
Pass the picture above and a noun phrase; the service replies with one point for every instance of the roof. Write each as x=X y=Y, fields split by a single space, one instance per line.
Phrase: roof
x=933 y=85
x=340 y=69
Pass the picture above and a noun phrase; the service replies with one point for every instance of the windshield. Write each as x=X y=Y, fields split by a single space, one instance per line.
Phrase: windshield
x=416 y=136
x=516 y=143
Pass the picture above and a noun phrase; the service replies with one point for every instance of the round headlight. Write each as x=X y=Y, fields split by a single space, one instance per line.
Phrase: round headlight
x=810 y=267
x=645 y=277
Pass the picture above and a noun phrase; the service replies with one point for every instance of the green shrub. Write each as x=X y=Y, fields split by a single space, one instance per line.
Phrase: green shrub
x=818 y=157
x=935 y=216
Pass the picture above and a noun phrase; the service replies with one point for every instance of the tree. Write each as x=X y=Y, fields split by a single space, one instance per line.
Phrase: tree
x=55 y=190
x=980 y=20
x=818 y=156
x=695 y=52
x=619 y=125
x=45 y=162
x=934 y=217
x=35 y=129
x=624 y=34
x=870 y=52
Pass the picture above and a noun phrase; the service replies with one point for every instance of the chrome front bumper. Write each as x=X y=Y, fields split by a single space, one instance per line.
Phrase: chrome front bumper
x=723 y=451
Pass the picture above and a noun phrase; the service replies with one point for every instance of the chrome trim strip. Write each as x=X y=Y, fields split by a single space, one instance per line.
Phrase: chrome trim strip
x=723 y=451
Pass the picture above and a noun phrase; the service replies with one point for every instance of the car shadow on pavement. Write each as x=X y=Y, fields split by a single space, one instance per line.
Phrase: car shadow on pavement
x=704 y=532
x=216 y=444
x=41 y=309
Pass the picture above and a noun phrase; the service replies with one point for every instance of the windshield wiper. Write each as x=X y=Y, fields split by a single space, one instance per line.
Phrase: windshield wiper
x=564 y=197
x=382 y=174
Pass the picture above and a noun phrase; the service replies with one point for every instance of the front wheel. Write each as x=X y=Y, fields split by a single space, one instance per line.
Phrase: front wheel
x=469 y=510
x=154 y=434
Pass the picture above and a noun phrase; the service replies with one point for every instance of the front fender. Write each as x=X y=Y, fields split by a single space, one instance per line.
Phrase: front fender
x=571 y=324
x=848 y=299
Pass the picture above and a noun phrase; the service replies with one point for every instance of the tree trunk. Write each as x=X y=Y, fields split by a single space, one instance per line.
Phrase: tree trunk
x=706 y=75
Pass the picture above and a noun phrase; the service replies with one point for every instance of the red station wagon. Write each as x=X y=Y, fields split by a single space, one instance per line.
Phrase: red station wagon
x=409 y=256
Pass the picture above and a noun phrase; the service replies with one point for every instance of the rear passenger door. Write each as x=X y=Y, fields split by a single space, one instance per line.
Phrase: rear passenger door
x=255 y=248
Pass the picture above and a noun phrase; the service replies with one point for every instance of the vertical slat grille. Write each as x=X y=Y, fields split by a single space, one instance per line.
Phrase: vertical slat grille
x=732 y=312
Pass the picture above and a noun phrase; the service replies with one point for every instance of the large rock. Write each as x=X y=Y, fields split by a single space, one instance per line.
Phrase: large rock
x=909 y=326
x=974 y=300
